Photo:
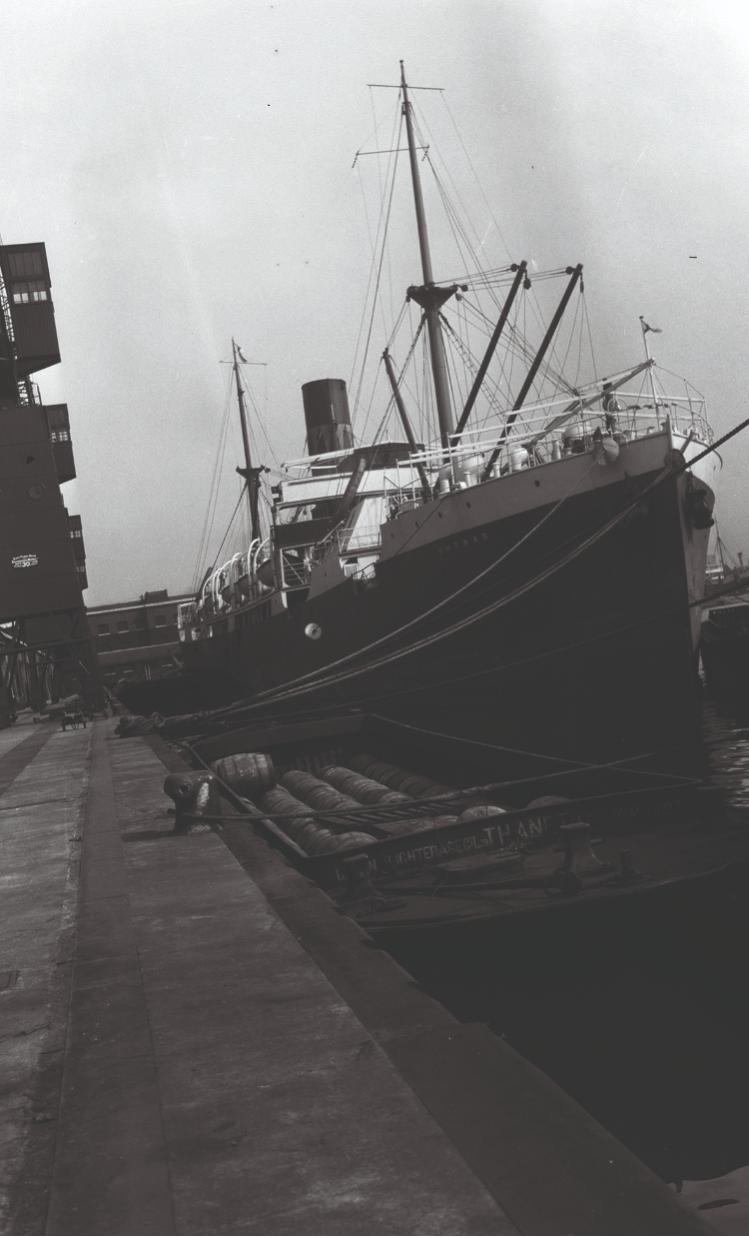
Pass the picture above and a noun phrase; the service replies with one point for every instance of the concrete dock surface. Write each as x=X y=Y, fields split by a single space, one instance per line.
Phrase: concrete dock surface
x=194 y=1041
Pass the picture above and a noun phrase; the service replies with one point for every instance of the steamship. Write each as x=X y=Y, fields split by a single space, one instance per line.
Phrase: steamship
x=534 y=572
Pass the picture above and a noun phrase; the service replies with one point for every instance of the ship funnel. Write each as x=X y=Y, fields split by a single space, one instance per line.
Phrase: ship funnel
x=327 y=416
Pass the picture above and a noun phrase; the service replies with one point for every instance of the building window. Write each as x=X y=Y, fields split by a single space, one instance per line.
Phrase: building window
x=159 y=621
x=102 y=629
x=31 y=290
x=76 y=532
x=60 y=436
x=123 y=625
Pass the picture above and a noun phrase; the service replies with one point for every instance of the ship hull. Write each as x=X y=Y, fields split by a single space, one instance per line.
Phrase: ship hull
x=725 y=651
x=557 y=636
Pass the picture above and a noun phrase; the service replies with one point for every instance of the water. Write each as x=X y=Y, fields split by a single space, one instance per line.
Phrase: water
x=644 y=1021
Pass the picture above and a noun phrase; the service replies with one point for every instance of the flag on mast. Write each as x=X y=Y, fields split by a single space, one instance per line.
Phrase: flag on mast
x=647 y=327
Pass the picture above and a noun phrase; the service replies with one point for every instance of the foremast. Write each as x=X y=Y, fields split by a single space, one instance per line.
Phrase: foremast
x=429 y=296
x=250 y=473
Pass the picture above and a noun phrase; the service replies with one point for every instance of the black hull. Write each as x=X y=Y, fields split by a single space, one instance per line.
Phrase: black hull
x=601 y=650
x=725 y=660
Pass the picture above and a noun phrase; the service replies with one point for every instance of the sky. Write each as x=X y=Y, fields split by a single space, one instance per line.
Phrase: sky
x=190 y=165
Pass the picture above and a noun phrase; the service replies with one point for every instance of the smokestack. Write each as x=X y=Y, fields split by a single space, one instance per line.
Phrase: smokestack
x=327 y=416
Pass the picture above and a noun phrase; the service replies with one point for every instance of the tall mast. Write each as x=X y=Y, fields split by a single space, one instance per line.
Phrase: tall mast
x=429 y=297
x=645 y=327
x=250 y=474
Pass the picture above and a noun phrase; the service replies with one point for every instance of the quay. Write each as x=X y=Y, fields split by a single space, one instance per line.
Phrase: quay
x=194 y=1041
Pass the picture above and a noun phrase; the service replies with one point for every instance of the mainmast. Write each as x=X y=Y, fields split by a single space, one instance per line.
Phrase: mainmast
x=251 y=475
x=430 y=297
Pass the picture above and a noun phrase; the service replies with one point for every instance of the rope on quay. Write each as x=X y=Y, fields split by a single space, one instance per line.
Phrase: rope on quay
x=579 y=766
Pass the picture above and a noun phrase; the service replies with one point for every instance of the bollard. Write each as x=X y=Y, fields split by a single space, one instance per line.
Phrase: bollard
x=564 y=881
x=627 y=874
x=358 y=879
x=195 y=795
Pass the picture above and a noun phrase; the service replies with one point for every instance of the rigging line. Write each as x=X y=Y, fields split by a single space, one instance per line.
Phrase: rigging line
x=398 y=324
x=229 y=527
x=662 y=369
x=361 y=701
x=258 y=419
x=377 y=282
x=431 y=144
x=386 y=250
x=423 y=807
x=551 y=365
x=469 y=363
x=552 y=372
x=580 y=765
x=459 y=625
x=453 y=213
x=516 y=340
x=535 y=304
x=454 y=225
x=483 y=672
x=571 y=337
x=459 y=231
x=469 y=360
x=544 y=655
x=668 y=473
x=462 y=240
x=590 y=335
x=501 y=357
x=370 y=276
x=579 y=365
x=476 y=178
x=389 y=636
x=213 y=491
x=514 y=344
x=370 y=406
x=498 y=277
x=211 y=497
x=387 y=813
x=380 y=230
x=453 y=381
x=545 y=756
x=373 y=242
x=400 y=379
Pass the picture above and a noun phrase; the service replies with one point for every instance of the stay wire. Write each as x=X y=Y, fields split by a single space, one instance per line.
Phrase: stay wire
x=228 y=527
x=385 y=220
x=213 y=493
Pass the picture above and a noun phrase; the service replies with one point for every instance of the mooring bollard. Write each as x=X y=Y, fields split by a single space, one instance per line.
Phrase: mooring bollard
x=195 y=795
x=575 y=841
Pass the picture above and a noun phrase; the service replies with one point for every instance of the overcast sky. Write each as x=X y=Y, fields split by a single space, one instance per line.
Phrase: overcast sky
x=189 y=165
